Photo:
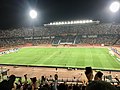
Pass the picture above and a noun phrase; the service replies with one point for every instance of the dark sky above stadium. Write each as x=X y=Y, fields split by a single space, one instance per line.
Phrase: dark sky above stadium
x=14 y=13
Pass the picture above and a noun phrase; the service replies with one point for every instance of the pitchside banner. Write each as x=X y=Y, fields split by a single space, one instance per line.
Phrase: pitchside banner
x=29 y=38
x=89 y=36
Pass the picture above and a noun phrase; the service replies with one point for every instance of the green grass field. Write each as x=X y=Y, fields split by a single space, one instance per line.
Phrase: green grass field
x=98 y=58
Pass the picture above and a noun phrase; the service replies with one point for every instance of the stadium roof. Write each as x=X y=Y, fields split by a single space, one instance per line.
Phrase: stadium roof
x=72 y=22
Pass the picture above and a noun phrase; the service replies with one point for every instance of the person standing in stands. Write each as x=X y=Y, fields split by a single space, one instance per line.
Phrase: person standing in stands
x=55 y=87
x=98 y=76
x=89 y=73
x=8 y=84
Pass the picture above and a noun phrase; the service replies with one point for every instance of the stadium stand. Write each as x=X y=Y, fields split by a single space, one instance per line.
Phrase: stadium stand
x=56 y=83
x=107 y=34
x=91 y=34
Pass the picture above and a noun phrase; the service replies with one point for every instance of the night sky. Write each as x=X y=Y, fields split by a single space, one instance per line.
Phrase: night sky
x=15 y=13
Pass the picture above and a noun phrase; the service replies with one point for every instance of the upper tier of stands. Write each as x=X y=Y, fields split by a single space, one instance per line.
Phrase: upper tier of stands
x=107 y=34
x=91 y=29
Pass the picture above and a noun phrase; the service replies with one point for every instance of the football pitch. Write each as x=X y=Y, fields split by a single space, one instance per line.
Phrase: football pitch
x=97 y=58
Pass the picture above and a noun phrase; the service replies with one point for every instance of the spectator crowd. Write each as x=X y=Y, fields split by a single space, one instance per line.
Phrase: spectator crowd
x=53 y=83
x=107 y=34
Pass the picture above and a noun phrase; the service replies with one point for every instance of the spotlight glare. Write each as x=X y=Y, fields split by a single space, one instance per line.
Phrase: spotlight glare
x=114 y=7
x=33 y=14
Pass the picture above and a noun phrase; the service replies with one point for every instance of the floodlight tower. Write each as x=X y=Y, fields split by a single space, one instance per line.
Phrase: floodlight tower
x=115 y=7
x=33 y=15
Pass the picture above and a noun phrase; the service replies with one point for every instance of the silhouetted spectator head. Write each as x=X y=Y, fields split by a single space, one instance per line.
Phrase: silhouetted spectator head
x=56 y=77
x=25 y=76
x=33 y=80
x=12 y=77
x=98 y=76
x=100 y=85
x=43 y=78
x=8 y=84
x=89 y=73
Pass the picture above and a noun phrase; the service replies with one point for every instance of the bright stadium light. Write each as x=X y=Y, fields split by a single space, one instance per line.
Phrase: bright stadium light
x=80 y=21
x=56 y=23
x=91 y=21
x=53 y=23
x=33 y=14
x=71 y=22
x=74 y=22
x=87 y=21
x=83 y=21
x=114 y=7
x=62 y=22
x=65 y=22
x=50 y=23
x=77 y=21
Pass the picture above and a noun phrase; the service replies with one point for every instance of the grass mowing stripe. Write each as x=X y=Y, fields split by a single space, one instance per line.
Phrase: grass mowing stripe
x=92 y=52
x=48 y=59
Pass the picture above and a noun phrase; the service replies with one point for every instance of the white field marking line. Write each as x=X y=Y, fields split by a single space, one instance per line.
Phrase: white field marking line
x=115 y=58
x=51 y=55
x=118 y=59
x=48 y=57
